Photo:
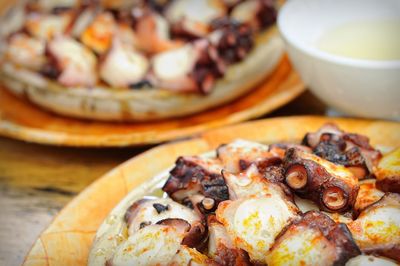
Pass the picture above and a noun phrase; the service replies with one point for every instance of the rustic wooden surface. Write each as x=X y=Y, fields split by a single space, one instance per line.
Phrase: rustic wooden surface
x=36 y=181
x=69 y=237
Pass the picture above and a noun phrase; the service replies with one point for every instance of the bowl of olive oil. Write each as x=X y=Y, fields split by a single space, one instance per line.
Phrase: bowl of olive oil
x=347 y=52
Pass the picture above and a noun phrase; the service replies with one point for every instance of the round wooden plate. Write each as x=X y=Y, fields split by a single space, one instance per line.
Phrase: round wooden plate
x=68 y=239
x=22 y=120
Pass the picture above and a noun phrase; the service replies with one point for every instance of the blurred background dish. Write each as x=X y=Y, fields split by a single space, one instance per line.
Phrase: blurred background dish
x=137 y=60
x=346 y=52
x=22 y=120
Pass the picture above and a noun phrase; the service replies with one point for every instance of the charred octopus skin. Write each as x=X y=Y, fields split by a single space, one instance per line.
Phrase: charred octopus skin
x=197 y=182
x=377 y=228
x=200 y=63
x=332 y=187
x=348 y=149
x=318 y=239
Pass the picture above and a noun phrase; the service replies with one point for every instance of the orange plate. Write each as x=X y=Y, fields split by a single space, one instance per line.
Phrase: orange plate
x=22 y=120
x=68 y=239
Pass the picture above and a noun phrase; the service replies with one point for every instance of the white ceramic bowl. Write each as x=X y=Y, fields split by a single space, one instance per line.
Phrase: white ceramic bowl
x=365 y=88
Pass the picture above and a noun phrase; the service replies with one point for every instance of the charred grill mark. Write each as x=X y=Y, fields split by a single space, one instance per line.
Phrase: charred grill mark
x=160 y=208
x=143 y=84
x=331 y=149
x=144 y=224
x=276 y=175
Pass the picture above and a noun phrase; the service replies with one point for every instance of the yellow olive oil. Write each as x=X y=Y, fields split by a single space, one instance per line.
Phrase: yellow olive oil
x=372 y=39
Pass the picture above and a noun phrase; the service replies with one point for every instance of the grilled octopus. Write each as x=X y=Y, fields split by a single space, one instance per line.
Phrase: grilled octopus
x=256 y=213
x=221 y=248
x=161 y=231
x=348 y=149
x=332 y=187
x=377 y=228
x=318 y=239
x=256 y=204
x=126 y=44
x=146 y=212
x=237 y=156
x=197 y=182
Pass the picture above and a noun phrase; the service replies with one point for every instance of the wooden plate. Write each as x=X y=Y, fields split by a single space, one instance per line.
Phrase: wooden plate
x=68 y=239
x=20 y=119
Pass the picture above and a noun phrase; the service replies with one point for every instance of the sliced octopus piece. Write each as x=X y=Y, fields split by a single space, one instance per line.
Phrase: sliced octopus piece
x=153 y=34
x=198 y=11
x=315 y=239
x=47 y=26
x=123 y=66
x=99 y=35
x=388 y=172
x=152 y=245
x=195 y=175
x=146 y=212
x=237 y=156
x=259 y=14
x=221 y=248
x=331 y=186
x=75 y=62
x=367 y=195
x=252 y=184
x=26 y=51
x=377 y=228
x=254 y=223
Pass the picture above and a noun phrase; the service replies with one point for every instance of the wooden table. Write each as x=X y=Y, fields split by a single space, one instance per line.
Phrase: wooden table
x=38 y=181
